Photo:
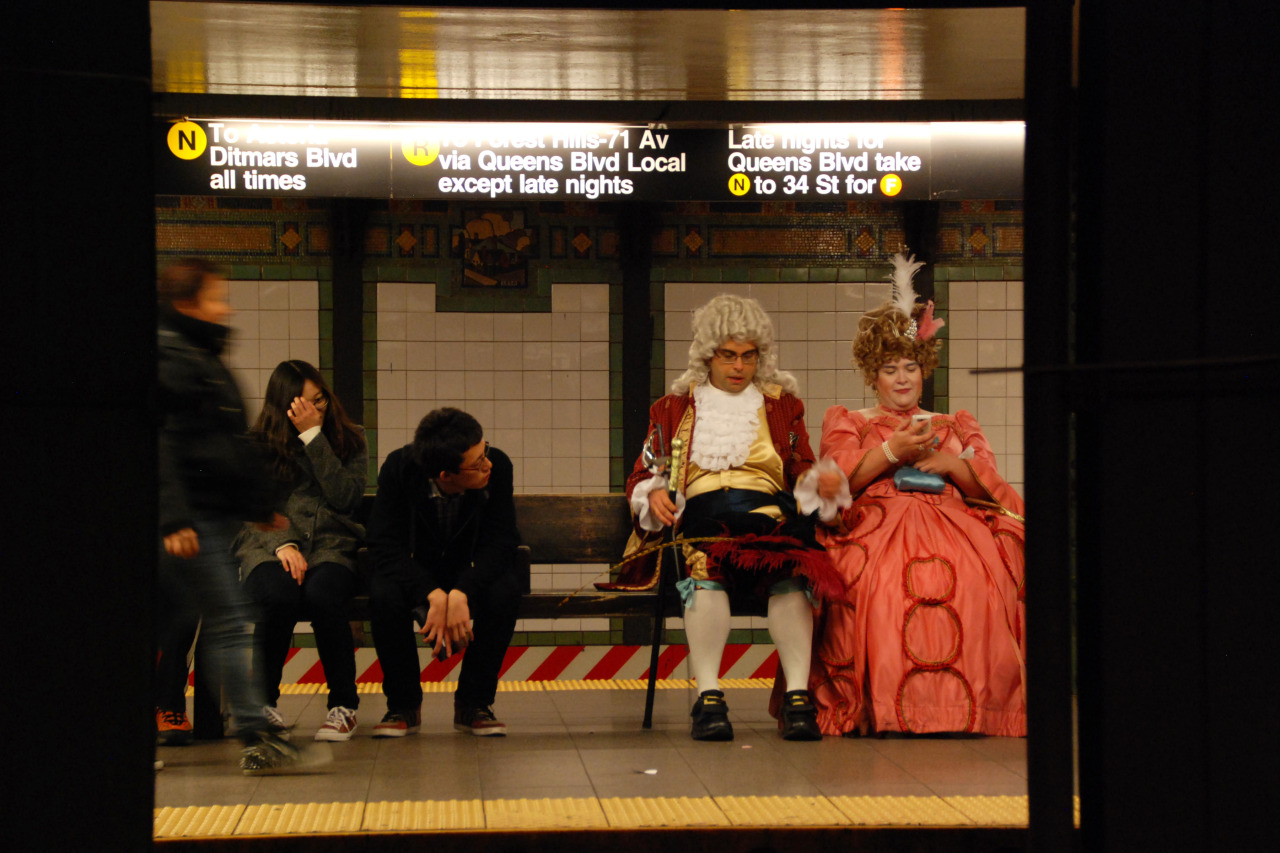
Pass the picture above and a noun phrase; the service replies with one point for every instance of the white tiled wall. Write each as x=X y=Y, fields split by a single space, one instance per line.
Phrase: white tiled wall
x=538 y=383
x=271 y=321
x=985 y=322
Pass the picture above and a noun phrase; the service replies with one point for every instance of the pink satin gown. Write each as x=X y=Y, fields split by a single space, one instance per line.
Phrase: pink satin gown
x=929 y=635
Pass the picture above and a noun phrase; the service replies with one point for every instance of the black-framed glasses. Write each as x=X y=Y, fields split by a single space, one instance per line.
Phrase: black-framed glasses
x=725 y=356
x=479 y=464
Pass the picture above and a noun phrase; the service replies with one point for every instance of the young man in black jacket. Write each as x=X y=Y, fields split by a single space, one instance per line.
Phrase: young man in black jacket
x=443 y=537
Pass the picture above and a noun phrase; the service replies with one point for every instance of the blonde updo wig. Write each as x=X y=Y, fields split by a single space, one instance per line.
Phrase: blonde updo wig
x=882 y=337
x=741 y=319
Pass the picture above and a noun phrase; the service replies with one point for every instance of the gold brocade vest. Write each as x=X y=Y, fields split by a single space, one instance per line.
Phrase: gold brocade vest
x=761 y=472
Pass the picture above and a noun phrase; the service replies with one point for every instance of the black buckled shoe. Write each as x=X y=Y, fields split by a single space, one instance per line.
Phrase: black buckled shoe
x=711 y=717
x=799 y=719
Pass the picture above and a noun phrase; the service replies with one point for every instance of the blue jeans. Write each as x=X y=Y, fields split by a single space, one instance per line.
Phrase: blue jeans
x=207 y=586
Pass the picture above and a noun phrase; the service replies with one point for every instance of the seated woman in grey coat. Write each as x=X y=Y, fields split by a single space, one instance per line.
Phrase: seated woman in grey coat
x=307 y=570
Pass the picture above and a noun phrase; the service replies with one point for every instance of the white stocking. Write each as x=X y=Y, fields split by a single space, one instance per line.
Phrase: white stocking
x=791 y=626
x=706 y=625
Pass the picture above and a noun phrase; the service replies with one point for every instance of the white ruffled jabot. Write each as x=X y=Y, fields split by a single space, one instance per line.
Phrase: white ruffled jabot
x=726 y=426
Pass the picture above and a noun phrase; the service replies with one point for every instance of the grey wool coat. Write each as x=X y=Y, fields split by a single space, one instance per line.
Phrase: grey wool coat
x=321 y=510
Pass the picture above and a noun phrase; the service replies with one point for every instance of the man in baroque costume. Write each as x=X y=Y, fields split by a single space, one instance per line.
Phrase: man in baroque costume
x=729 y=497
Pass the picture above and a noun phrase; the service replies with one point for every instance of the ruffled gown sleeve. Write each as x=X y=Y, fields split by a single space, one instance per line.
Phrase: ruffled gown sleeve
x=983 y=464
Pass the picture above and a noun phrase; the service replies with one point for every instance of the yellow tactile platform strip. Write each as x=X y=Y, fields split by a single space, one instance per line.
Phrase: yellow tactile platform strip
x=307 y=817
x=546 y=813
x=195 y=821
x=900 y=811
x=409 y=816
x=781 y=811
x=589 y=813
x=640 y=812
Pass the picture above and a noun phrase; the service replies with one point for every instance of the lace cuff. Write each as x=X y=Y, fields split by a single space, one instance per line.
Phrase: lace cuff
x=640 y=502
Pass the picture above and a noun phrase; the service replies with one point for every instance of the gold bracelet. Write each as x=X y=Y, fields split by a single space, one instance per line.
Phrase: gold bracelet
x=888 y=454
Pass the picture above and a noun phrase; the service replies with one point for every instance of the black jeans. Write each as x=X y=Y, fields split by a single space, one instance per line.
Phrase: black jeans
x=493 y=611
x=175 y=635
x=323 y=598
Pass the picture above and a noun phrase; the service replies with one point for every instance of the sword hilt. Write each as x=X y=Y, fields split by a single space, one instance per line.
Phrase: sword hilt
x=677 y=455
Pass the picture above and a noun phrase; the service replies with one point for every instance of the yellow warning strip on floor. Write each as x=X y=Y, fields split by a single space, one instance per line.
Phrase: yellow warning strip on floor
x=651 y=812
x=781 y=811
x=900 y=811
x=622 y=684
x=588 y=813
x=197 y=821
x=290 y=819
x=582 y=684
x=992 y=811
x=531 y=686
x=545 y=813
x=408 y=816
x=305 y=689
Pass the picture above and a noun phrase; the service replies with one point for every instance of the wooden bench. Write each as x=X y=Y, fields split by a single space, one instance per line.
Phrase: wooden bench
x=555 y=529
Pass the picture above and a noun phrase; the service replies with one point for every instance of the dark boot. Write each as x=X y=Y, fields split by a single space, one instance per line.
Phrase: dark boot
x=711 y=717
x=799 y=719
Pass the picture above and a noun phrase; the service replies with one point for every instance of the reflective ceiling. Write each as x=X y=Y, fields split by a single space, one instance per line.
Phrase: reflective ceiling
x=444 y=53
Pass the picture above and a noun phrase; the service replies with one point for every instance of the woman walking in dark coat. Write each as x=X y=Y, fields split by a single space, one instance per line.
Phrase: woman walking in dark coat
x=211 y=482
x=308 y=569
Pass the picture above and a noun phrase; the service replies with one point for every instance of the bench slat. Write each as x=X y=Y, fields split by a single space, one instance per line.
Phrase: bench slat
x=574 y=528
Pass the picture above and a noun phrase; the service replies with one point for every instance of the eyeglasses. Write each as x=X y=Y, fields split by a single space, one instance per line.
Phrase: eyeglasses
x=480 y=463
x=748 y=358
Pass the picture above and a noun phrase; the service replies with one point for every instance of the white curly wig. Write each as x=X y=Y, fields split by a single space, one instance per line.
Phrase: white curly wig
x=742 y=319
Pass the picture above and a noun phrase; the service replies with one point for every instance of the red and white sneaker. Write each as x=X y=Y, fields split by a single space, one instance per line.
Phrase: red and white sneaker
x=339 y=725
x=478 y=721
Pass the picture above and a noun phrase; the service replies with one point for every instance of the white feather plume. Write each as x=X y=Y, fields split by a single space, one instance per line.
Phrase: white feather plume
x=904 y=294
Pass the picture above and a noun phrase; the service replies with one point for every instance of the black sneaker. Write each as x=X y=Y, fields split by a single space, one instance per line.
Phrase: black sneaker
x=398 y=723
x=479 y=721
x=711 y=717
x=799 y=719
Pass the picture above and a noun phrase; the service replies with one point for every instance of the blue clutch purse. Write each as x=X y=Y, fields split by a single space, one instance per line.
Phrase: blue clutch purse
x=909 y=479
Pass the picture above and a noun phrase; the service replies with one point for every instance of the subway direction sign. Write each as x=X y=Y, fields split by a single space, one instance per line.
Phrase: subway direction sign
x=605 y=162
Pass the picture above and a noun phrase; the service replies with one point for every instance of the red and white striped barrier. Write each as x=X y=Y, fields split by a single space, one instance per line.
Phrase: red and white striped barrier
x=554 y=663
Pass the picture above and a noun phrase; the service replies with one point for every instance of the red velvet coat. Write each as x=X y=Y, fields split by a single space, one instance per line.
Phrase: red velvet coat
x=784 y=414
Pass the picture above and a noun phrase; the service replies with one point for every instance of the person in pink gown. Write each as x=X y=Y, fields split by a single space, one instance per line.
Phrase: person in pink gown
x=929 y=636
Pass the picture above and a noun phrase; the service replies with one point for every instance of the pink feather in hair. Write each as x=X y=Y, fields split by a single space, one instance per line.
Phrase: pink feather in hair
x=928 y=327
